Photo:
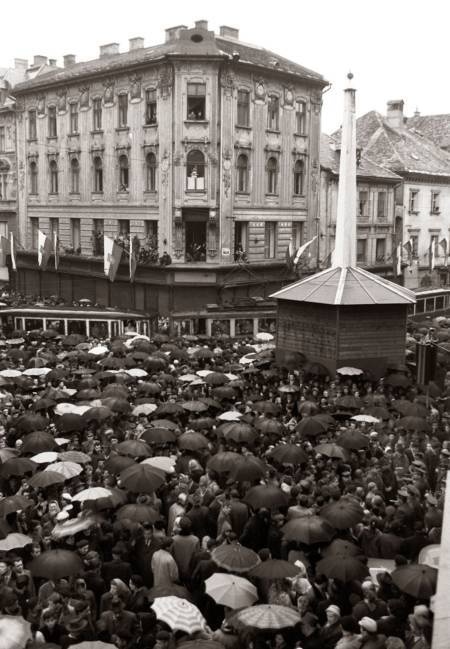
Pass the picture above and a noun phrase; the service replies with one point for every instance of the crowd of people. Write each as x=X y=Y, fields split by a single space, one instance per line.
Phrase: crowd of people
x=193 y=493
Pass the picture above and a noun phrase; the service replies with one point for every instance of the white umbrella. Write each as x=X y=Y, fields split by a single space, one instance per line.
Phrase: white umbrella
x=37 y=371
x=264 y=336
x=15 y=341
x=93 y=493
x=13 y=541
x=248 y=359
x=350 y=371
x=69 y=391
x=187 y=378
x=230 y=590
x=69 y=409
x=232 y=377
x=61 y=441
x=99 y=350
x=230 y=415
x=203 y=373
x=45 y=458
x=179 y=614
x=10 y=374
x=137 y=372
x=166 y=464
x=368 y=419
x=67 y=469
x=144 y=409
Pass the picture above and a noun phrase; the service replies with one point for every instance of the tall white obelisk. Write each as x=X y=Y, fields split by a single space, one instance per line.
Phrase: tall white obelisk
x=345 y=242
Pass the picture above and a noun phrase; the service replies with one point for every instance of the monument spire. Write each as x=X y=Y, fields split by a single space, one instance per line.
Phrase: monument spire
x=345 y=241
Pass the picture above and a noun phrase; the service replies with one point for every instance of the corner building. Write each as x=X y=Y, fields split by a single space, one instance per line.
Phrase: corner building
x=203 y=147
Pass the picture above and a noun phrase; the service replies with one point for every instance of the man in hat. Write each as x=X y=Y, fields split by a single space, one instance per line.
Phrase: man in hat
x=332 y=631
x=370 y=637
x=77 y=630
x=117 y=568
x=145 y=547
x=164 y=566
x=370 y=605
x=185 y=545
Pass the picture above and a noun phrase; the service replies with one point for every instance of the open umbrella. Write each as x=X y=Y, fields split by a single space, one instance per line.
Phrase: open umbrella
x=266 y=407
x=344 y=568
x=238 y=431
x=17 y=466
x=91 y=644
x=179 y=614
x=378 y=411
x=194 y=406
x=15 y=632
x=414 y=423
x=97 y=413
x=169 y=408
x=203 y=423
x=38 y=442
x=159 y=436
x=55 y=564
x=200 y=643
x=266 y=496
x=274 y=569
x=67 y=469
x=310 y=427
x=133 y=448
x=341 y=548
x=269 y=426
x=144 y=409
x=416 y=579
x=161 y=462
x=70 y=422
x=235 y=557
x=268 y=616
x=15 y=503
x=116 y=463
x=74 y=456
x=230 y=415
x=331 y=450
x=349 y=371
x=45 y=458
x=247 y=469
x=14 y=541
x=231 y=591
x=353 y=439
x=368 y=419
x=192 y=441
x=223 y=461
x=92 y=493
x=30 y=422
x=308 y=530
x=45 y=479
x=137 y=512
x=142 y=478
x=289 y=454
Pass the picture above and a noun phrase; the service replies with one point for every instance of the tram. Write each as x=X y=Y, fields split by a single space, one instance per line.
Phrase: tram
x=430 y=301
x=84 y=319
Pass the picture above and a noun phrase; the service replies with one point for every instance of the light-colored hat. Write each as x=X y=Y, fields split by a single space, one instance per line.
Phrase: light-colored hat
x=368 y=624
x=333 y=609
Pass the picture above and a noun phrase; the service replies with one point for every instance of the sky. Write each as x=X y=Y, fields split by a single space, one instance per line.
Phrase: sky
x=396 y=49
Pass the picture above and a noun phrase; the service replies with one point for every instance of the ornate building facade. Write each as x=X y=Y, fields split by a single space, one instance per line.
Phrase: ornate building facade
x=204 y=148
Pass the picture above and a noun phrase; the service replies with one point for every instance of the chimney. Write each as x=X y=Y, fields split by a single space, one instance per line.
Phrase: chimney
x=394 y=113
x=69 y=59
x=52 y=63
x=109 y=49
x=20 y=64
x=136 y=43
x=173 y=33
x=201 y=24
x=39 y=60
x=417 y=113
x=229 y=32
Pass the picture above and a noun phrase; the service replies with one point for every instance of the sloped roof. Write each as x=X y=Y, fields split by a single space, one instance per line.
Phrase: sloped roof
x=435 y=127
x=402 y=150
x=209 y=46
x=346 y=287
x=329 y=159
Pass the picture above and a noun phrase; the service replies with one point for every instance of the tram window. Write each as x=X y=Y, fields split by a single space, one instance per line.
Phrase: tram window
x=268 y=325
x=182 y=327
x=220 y=328
x=19 y=323
x=76 y=327
x=244 y=327
x=429 y=304
x=199 y=326
x=98 y=328
x=143 y=327
x=114 y=327
x=130 y=326
x=420 y=306
x=33 y=323
x=439 y=303
x=56 y=325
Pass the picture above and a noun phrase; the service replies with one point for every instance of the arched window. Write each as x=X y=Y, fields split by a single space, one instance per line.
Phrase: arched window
x=150 y=163
x=53 y=168
x=242 y=173
x=123 y=173
x=272 y=175
x=98 y=174
x=195 y=171
x=299 y=175
x=33 y=178
x=74 y=176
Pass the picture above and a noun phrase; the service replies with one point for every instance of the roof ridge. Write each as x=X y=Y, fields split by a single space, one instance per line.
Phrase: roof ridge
x=364 y=288
x=395 y=288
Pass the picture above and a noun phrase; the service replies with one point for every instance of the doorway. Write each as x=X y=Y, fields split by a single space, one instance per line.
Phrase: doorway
x=195 y=232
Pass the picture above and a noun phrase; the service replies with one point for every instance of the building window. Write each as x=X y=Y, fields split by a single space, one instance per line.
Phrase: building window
x=74 y=177
x=270 y=239
x=240 y=240
x=195 y=171
x=123 y=110
x=297 y=234
x=300 y=118
x=413 y=201
x=53 y=171
x=53 y=229
x=272 y=176
x=98 y=175
x=242 y=173
x=435 y=203
x=34 y=223
x=363 y=204
x=434 y=244
x=361 y=248
x=196 y=100
x=33 y=178
x=124 y=232
x=76 y=234
x=97 y=114
x=123 y=173
x=414 y=239
x=52 y=127
x=4 y=171
x=150 y=107
x=97 y=238
x=2 y=139
x=380 y=251
x=150 y=165
x=243 y=108
x=32 y=130
x=382 y=205
x=273 y=113
x=299 y=177
x=73 y=112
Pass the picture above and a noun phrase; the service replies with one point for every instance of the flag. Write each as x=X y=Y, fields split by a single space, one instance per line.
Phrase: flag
x=5 y=250
x=302 y=249
x=135 y=246
x=444 y=245
x=56 y=249
x=44 y=249
x=115 y=258
x=290 y=254
x=12 y=250
x=398 y=260
x=432 y=255
x=108 y=244
x=409 y=250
